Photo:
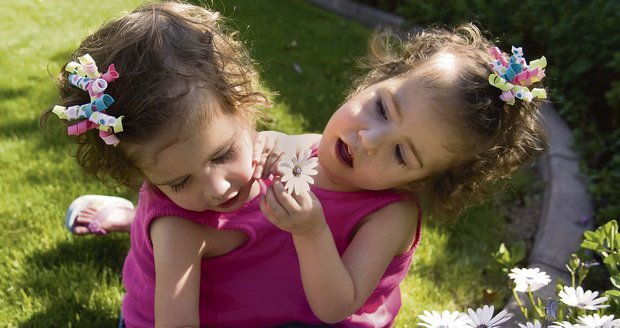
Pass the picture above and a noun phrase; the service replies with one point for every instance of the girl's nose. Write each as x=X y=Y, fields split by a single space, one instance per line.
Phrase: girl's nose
x=215 y=187
x=370 y=140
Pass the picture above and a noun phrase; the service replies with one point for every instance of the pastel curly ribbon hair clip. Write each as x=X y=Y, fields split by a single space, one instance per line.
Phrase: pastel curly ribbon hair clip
x=86 y=76
x=514 y=76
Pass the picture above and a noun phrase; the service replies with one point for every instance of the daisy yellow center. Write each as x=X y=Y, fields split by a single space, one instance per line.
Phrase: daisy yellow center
x=297 y=171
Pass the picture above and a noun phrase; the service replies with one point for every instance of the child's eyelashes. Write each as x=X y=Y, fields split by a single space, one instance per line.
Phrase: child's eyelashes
x=177 y=187
x=381 y=109
x=225 y=156
x=398 y=154
x=221 y=158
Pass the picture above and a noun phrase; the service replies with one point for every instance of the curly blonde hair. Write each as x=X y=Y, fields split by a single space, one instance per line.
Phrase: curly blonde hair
x=177 y=62
x=499 y=138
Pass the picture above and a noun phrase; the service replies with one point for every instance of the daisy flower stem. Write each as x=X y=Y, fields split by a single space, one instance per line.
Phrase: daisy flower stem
x=540 y=314
x=523 y=309
x=581 y=313
x=572 y=315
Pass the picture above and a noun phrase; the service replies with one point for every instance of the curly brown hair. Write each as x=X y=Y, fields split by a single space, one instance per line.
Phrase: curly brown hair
x=497 y=138
x=177 y=63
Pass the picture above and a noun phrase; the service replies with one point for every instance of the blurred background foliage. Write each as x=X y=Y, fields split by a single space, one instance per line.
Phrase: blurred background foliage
x=581 y=40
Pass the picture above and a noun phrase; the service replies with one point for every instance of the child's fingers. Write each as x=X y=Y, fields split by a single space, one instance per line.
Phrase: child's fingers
x=288 y=201
x=258 y=170
x=264 y=207
x=270 y=214
x=277 y=210
x=271 y=162
x=259 y=145
x=258 y=158
x=305 y=200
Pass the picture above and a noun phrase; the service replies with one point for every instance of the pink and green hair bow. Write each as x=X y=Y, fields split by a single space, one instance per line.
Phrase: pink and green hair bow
x=515 y=75
x=86 y=76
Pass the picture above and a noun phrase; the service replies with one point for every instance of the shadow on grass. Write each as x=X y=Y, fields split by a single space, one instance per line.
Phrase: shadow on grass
x=85 y=318
x=13 y=93
x=64 y=274
x=51 y=138
x=459 y=258
x=22 y=128
x=101 y=251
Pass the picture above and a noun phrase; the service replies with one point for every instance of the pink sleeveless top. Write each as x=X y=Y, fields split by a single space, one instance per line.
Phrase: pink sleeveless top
x=258 y=284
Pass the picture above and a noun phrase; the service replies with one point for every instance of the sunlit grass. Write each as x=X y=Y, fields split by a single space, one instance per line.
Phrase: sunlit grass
x=47 y=277
x=50 y=278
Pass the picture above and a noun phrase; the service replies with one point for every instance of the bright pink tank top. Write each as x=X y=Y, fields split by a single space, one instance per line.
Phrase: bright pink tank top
x=259 y=284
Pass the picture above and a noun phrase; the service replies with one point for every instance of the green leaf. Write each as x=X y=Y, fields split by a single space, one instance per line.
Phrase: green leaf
x=595 y=246
x=612 y=293
x=612 y=262
x=518 y=252
x=615 y=280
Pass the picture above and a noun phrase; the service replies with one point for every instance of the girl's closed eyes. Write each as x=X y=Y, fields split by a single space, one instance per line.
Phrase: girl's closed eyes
x=221 y=158
x=178 y=187
x=398 y=153
x=225 y=156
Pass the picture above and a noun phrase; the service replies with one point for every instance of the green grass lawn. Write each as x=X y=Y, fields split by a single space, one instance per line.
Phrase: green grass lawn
x=50 y=278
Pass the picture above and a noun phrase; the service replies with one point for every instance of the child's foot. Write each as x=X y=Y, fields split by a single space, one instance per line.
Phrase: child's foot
x=96 y=214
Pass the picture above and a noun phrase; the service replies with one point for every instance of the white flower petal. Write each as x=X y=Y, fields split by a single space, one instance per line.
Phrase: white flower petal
x=500 y=318
x=576 y=297
x=289 y=186
x=309 y=171
x=296 y=172
x=596 y=321
x=446 y=319
x=487 y=314
x=474 y=317
x=301 y=187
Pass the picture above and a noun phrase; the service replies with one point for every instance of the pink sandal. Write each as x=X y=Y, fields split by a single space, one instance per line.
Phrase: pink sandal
x=107 y=203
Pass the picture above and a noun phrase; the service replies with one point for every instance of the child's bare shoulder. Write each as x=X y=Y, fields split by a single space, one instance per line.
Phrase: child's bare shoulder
x=182 y=232
x=405 y=209
x=394 y=224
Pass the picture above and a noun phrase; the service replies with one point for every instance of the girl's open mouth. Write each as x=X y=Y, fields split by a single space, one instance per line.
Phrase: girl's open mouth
x=344 y=153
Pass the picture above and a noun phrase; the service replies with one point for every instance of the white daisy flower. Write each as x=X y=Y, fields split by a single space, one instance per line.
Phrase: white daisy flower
x=529 y=278
x=596 y=321
x=296 y=172
x=483 y=317
x=565 y=324
x=535 y=324
x=446 y=319
x=584 y=300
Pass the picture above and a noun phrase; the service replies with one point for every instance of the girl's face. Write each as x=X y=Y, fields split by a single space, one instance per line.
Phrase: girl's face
x=210 y=170
x=387 y=136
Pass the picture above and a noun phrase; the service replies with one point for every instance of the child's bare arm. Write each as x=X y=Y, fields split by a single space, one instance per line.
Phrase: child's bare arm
x=177 y=248
x=333 y=293
x=270 y=145
x=337 y=287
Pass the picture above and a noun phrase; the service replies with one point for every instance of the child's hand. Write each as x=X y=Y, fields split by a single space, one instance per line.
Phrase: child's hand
x=268 y=148
x=297 y=214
